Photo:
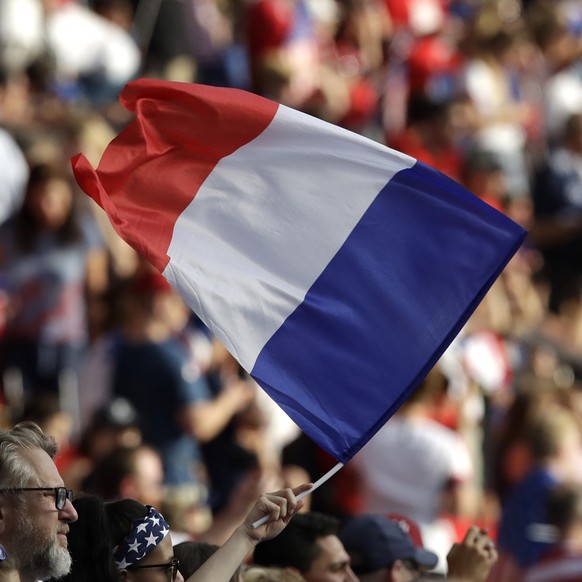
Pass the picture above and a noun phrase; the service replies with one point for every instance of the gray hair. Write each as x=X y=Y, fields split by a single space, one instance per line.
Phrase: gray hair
x=14 y=471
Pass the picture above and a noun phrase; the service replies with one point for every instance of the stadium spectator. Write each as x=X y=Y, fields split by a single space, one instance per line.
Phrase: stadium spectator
x=35 y=507
x=311 y=546
x=380 y=550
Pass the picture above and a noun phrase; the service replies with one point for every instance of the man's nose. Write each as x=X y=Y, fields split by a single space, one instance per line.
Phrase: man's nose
x=68 y=513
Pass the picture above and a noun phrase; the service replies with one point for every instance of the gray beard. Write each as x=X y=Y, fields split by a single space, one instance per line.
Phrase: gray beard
x=39 y=559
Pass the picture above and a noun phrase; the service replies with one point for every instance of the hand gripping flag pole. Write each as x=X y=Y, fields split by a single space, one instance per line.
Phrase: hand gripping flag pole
x=319 y=482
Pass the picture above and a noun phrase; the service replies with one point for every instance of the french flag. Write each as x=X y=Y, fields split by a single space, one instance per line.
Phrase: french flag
x=334 y=269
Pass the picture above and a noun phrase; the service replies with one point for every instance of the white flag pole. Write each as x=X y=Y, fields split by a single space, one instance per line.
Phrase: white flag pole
x=319 y=482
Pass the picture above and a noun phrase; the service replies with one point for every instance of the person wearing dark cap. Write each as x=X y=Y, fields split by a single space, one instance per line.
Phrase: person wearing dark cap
x=112 y=425
x=381 y=551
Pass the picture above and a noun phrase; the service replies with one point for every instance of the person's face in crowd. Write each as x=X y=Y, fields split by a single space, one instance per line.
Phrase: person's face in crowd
x=332 y=564
x=173 y=309
x=106 y=438
x=38 y=538
x=50 y=203
x=487 y=182
x=155 y=567
x=148 y=480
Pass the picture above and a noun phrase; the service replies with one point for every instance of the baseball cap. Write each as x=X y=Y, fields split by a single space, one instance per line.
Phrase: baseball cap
x=118 y=413
x=409 y=527
x=374 y=542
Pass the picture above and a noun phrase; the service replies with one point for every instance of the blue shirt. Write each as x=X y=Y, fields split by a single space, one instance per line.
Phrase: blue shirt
x=157 y=380
x=523 y=511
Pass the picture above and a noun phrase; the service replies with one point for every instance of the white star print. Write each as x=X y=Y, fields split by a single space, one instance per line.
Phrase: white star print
x=134 y=546
x=151 y=540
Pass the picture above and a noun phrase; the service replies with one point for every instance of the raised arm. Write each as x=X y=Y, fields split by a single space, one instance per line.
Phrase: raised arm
x=279 y=506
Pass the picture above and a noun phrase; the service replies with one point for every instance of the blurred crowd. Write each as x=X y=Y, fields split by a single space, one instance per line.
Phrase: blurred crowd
x=144 y=403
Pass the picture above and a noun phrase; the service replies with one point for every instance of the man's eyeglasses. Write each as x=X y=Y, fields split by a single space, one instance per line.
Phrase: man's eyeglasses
x=61 y=494
x=171 y=567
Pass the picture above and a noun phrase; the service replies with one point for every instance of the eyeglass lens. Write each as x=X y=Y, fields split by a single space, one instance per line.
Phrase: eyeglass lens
x=62 y=494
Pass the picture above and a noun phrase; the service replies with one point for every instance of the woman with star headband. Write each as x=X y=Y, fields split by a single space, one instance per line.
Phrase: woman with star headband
x=130 y=542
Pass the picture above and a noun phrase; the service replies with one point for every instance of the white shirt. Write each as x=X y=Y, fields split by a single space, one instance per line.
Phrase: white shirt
x=84 y=42
x=13 y=176
x=406 y=464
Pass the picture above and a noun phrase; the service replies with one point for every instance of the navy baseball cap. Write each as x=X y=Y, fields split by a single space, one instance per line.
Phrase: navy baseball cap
x=374 y=542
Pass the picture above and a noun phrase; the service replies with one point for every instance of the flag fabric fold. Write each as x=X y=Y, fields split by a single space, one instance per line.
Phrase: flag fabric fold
x=336 y=270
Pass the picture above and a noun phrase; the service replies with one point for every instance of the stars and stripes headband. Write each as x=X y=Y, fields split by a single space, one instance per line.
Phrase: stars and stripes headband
x=146 y=533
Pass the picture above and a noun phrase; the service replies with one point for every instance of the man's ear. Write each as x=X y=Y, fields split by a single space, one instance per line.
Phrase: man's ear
x=395 y=571
x=123 y=575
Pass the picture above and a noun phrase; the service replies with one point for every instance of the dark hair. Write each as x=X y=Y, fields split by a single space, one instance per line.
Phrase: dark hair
x=547 y=433
x=192 y=555
x=421 y=108
x=296 y=546
x=572 y=126
x=120 y=514
x=117 y=415
x=26 y=226
x=44 y=406
x=89 y=543
x=434 y=386
x=565 y=505
x=109 y=472
x=101 y=526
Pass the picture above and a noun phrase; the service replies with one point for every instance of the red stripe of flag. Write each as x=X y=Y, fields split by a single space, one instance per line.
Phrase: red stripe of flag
x=132 y=182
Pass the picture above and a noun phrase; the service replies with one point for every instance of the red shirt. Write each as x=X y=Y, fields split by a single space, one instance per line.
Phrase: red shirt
x=447 y=160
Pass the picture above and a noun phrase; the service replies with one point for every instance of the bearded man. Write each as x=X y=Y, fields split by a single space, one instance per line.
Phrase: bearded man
x=35 y=507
